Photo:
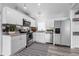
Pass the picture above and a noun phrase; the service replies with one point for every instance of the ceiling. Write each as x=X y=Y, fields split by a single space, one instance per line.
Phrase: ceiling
x=43 y=10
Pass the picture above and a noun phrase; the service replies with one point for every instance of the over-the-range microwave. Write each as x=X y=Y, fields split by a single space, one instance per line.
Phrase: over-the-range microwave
x=26 y=23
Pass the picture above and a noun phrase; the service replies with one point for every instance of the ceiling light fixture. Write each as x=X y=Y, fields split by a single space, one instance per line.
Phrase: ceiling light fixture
x=25 y=6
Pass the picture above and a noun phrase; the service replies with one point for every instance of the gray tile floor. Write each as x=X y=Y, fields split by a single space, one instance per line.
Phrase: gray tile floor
x=37 y=49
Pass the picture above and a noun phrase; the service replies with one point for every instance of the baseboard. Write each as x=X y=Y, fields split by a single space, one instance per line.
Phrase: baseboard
x=48 y=43
x=39 y=42
x=62 y=45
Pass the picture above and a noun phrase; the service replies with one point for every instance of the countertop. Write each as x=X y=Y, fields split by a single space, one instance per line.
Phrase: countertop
x=17 y=34
x=46 y=32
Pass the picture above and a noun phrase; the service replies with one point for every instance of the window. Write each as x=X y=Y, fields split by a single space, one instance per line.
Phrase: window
x=41 y=26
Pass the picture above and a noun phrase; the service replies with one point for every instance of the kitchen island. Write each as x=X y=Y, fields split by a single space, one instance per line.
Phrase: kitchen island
x=13 y=43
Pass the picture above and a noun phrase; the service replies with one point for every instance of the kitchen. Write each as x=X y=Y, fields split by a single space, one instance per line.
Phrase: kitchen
x=21 y=29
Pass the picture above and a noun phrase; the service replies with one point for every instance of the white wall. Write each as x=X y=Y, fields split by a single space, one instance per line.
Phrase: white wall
x=0 y=28
x=74 y=38
x=0 y=34
x=74 y=28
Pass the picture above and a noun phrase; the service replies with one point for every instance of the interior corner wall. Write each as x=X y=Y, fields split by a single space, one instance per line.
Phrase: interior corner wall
x=71 y=30
x=0 y=30
x=0 y=34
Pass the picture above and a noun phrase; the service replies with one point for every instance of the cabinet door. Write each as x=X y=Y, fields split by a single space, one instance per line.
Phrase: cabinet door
x=57 y=39
x=23 y=41
x=77 y=41
x=41 y=37
x=15 y=44
x=4 y=16
x=19 y=19
x=37 y=37
x=11 y=16
x=33 y=24
x=6 y=45
x=47 y=37
x=34 y=36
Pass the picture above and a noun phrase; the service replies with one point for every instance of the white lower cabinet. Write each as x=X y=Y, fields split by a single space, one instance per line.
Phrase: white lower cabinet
x=57 y=39
x=23 y=41
x=12 y=44
x=15 y=44
x=34 y=36
x=75 y=42
x=39 y=37
x=47 y=37
x=42 y=37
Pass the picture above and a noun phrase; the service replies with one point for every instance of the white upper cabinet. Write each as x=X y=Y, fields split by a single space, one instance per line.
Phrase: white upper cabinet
x=11 y=16
x=49 y=24
x=4 y=17
x=33 y=23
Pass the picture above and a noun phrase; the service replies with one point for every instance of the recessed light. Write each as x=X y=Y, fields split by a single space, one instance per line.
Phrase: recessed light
x=25 y=7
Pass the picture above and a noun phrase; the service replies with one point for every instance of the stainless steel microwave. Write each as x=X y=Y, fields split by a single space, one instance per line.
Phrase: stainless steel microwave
x=26 y=23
